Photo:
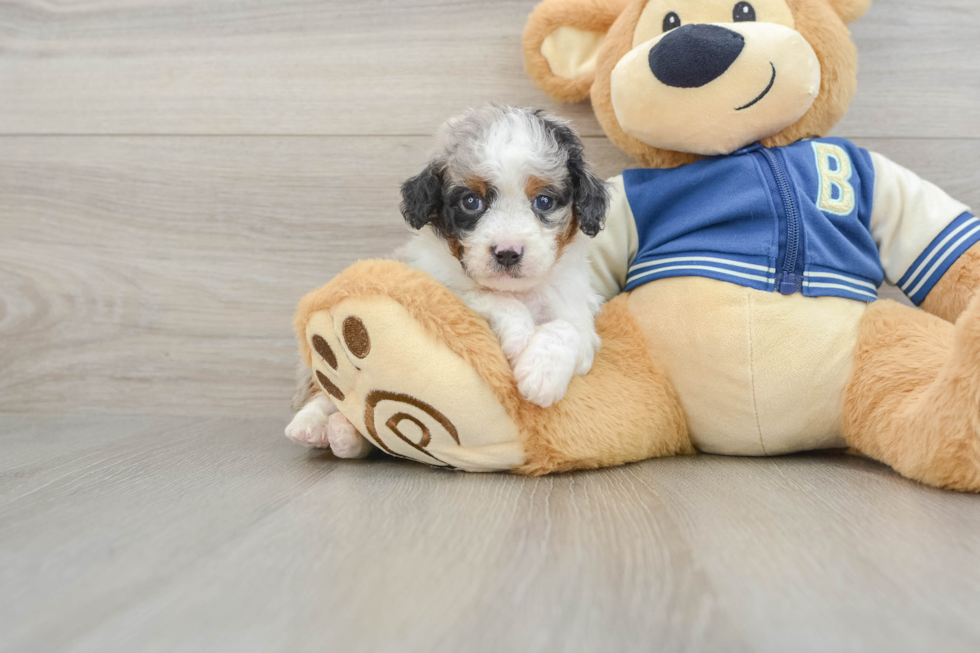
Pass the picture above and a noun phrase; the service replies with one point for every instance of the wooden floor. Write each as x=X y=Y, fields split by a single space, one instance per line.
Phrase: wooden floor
x=175 y=175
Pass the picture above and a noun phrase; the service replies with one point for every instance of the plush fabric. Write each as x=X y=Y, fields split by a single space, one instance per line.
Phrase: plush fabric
x=560 y=20
x=625 y=409
x=850 y=10
x=405 y=391
x=571 y=52
x=913 y=398
x=815 y=20
x=949 y=297
x=758 y=373
x=434 y=359
x=695 y=120
x=692 y=362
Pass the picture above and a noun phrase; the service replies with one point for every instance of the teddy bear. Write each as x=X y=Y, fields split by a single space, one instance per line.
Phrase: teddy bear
x=740 y=261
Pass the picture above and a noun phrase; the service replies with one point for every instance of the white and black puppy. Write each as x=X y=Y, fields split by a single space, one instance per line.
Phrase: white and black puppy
x=502 y=212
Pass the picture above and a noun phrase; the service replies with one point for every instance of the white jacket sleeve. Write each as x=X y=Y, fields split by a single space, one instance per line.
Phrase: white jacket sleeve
x=920 y=230
x=613 y=249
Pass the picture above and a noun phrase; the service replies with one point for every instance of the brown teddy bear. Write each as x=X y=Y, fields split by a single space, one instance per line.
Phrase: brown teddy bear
x=741 y=261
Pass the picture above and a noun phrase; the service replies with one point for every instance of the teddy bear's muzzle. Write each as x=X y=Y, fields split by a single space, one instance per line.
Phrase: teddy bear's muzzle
x=712 y=88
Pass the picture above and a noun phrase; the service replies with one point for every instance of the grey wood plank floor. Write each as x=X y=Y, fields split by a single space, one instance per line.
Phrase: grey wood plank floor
x=387 y=66
x=175 y=175
x=205 y=534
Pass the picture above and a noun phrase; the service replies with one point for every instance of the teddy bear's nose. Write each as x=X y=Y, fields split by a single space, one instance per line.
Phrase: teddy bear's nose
x=693 y=55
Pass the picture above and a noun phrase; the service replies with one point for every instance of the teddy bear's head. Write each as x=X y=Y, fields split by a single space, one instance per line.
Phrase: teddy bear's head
x=674 y=80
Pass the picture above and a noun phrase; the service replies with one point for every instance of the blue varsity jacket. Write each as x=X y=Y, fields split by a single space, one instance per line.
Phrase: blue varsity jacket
x=820 y=217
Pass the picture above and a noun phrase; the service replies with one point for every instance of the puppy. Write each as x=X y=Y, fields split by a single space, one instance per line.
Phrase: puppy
x=502 y=213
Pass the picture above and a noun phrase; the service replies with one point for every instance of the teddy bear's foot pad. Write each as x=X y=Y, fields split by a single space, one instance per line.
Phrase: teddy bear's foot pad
x=407 y=392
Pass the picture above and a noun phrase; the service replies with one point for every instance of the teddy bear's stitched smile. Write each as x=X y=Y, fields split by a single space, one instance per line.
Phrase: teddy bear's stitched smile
x=764 y=93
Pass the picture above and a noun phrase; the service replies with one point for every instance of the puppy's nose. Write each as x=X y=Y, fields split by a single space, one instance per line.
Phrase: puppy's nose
x=693 y=55
x=507 y=256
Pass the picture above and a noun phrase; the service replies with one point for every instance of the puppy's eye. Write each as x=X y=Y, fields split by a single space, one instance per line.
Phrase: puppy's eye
x=672 y=21
x=471 y=204
x=743 y=12
x=544 y=203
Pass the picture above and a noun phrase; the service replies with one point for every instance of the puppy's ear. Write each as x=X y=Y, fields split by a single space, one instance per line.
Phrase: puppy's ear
x=422 y=197
x=590 y=196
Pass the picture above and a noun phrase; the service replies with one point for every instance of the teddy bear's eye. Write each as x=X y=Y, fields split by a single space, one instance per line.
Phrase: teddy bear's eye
x=672 y=20
x=743 y=12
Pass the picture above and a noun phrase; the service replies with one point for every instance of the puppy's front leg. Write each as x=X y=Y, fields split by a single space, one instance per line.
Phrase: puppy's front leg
x=583 y=322
x=562 y=348
x=580 y=315
x=510 y=320
x=547 y=365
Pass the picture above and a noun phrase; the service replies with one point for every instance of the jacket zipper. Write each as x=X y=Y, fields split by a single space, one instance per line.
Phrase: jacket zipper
x=787 y=284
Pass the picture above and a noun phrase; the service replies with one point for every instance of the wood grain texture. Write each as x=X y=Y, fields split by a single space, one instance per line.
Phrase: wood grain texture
x=175 y=175
x=180 y=534
x=381 y=67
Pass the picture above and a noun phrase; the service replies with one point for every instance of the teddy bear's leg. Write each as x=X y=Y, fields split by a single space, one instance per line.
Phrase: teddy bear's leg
x=422 y=376
x=625 y=409
x=913 y=399
x=950 y=296
x=412 y=370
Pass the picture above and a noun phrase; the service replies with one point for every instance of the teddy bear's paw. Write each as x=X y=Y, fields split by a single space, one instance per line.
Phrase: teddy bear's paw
x=309 y=427
x=345 y=441
x=547 y=365
x=402 y=390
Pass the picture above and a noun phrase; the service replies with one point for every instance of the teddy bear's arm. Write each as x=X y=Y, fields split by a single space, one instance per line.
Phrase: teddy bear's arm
x=927 y=241
x=951 y=294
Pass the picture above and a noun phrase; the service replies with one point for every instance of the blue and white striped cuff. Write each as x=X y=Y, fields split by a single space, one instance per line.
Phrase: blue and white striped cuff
x=722 y=267
x=835 y=284
x=961 y=234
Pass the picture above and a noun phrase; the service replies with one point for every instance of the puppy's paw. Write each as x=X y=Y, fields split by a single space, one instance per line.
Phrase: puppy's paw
x=548 y=363
x=345 y=441
x=585 y=359
x=514 y=336
x=309 y=426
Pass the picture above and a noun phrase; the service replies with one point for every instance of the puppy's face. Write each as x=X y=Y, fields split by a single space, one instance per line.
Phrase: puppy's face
x=507 y=191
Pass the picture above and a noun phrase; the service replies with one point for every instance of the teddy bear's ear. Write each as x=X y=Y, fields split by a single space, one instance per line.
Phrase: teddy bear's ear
x=561 y=41
x=850 y=10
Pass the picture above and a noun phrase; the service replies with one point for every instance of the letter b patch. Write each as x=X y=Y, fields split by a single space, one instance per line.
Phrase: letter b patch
x=836 y=195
